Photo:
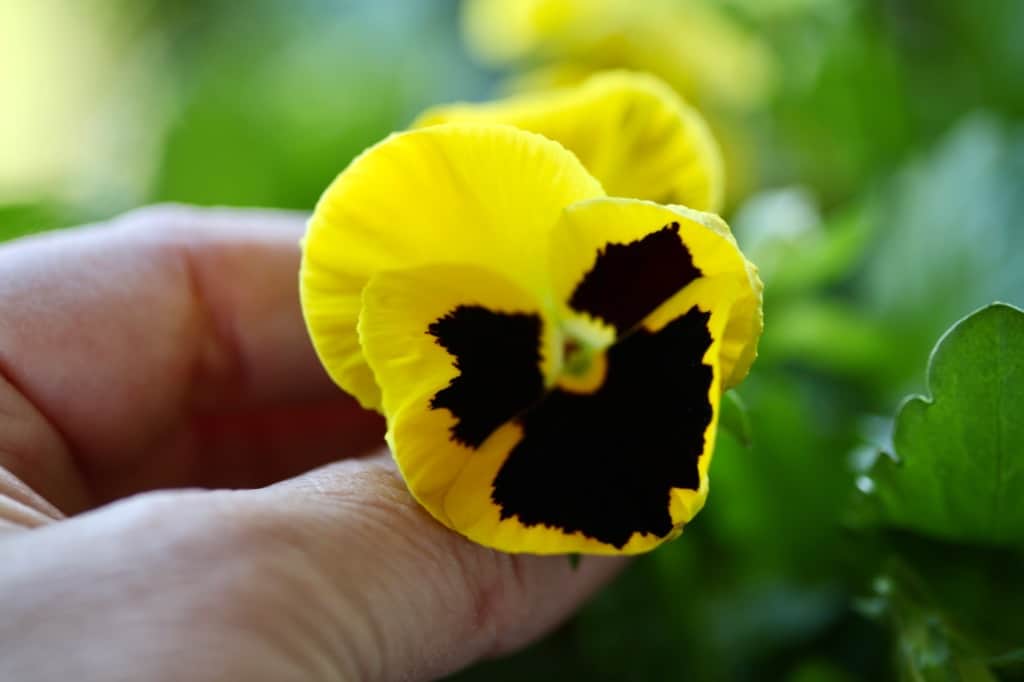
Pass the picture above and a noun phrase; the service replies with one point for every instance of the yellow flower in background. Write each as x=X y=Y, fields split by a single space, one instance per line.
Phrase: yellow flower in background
x=691 y=44
x=503 y=31
x=719 y=65
x=550 y=360
x=631 y=131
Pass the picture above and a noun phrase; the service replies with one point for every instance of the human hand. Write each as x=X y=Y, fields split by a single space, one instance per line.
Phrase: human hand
x=165 y=352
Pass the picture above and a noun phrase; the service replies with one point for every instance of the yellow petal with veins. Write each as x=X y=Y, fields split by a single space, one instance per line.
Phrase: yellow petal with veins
x=630 y=130
x=480 y=195
x=619 y=259
x=495 y=448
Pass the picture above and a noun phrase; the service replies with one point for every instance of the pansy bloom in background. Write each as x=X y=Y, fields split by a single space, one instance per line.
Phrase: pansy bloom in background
x=632 y=132
x=691 y=44
x=696 y=47
x=550 y=359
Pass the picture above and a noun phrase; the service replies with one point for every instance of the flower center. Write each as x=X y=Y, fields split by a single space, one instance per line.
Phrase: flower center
x=576 y=357
x=584 y=342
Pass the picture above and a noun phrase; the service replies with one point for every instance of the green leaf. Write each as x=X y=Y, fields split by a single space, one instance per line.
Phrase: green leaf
x=976 y=591
x=928 y=646
x=734 y=418
x=1008 y=658
x=958 y=471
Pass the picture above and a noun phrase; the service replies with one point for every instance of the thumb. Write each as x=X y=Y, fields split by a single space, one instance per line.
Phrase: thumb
x=410 y=598
x=337 y=574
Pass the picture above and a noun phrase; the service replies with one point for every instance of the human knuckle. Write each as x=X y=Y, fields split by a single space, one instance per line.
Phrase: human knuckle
x=498 y=595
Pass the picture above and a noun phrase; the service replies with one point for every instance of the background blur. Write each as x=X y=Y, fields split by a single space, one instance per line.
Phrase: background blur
x=875 y=154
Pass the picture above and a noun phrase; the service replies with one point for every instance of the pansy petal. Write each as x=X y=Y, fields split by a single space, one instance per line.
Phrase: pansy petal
x=631 y=131
x=494 y=451
x=483 y=195
x=713 y=299
x=458 y=351
x=617 y=260
x=617 y=469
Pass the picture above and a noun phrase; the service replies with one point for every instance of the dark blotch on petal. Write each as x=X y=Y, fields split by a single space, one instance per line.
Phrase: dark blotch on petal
x=604 y=463
x=498 y=358
x=628 y=281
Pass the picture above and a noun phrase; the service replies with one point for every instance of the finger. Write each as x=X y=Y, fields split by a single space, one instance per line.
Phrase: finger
x=120 y=334
x=414 y=600
x=35 y=462
x=250 y=449
x=238 y=270
x=335 y=575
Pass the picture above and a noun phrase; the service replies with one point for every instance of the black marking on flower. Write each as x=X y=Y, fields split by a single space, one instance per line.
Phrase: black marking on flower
x=498 y=358
x=628 y=281
x=604 y=463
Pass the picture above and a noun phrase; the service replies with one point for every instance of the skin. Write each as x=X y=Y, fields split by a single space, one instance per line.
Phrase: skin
x=185 y=495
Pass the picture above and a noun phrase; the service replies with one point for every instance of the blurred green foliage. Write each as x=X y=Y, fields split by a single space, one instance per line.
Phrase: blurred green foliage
x=884 y=202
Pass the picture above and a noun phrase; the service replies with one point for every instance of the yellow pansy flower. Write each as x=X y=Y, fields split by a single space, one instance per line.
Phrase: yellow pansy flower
x=550 y=360
x=691 y=44
x=631 y=131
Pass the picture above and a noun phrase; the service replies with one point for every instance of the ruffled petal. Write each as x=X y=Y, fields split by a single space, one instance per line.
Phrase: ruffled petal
x=618 y=467
x=458 y=352
x=712 y=300
x=493 y=444
x=631 y=131
x=617 y=260
x=482 y=195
